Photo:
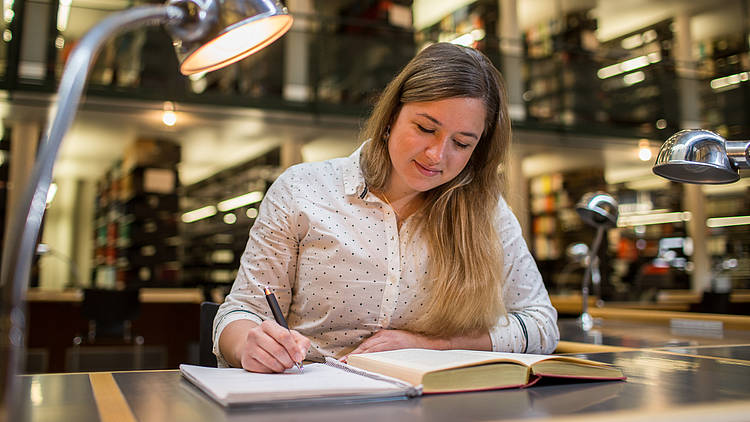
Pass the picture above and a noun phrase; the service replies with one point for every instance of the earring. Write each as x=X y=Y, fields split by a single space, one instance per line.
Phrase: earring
x=387 y=134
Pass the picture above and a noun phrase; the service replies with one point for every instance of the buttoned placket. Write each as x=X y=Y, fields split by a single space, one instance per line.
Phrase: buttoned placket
x=393 y=263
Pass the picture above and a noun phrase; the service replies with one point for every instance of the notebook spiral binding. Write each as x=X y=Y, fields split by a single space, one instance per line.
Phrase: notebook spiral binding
x=411 y=390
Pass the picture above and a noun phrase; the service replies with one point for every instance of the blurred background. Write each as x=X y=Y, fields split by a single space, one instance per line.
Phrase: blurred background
x=159 y=179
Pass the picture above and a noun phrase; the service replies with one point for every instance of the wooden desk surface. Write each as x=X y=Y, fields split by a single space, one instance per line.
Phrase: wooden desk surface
x=660 y=387
x=147 y=295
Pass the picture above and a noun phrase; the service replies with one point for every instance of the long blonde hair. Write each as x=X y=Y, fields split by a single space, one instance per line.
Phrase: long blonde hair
x=464 y=280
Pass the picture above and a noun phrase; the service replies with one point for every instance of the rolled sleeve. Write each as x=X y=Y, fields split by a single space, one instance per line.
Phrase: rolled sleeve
x=222 y=322
x=269 y=260
x=531 y=323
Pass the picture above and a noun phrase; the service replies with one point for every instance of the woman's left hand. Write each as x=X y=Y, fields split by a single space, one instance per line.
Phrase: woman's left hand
x=399 y=339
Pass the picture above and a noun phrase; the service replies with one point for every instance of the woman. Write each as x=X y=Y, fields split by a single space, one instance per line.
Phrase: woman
x=405 y=243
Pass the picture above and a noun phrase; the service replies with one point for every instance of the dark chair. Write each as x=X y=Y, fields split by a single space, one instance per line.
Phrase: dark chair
x=110 y=314
x=206 y=355
x=110 y=343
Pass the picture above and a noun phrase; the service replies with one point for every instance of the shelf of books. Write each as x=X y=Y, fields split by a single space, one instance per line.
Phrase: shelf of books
x=638 y=80
x=136 y=236
x=560 y=72
x=555 y=224
x=724 y=65
x=215 y=233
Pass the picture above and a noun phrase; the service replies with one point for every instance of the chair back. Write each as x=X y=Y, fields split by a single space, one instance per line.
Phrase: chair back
x=206 y=355
x=111 y=312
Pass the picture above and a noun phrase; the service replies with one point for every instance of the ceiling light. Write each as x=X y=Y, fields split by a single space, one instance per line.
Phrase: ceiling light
x=632 y=42
x=740 y=220
x=634 y=78
x=240 y=201
x=655 y=218
x=199 y=214
x=644 y=151
x=168 y=116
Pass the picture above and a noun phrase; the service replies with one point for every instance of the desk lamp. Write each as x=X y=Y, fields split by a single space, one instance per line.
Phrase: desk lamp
x=701 y=156
x=599 y=210
x=207 y=35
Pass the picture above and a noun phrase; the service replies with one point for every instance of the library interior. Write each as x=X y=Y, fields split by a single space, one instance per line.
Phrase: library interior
x=134 y=160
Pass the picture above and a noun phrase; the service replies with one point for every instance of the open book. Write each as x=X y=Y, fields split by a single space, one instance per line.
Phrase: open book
x=330 y=381
x=442 y=371
x=397 y=373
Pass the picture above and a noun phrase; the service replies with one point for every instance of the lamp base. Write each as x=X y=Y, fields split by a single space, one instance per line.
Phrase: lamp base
x=585 y=321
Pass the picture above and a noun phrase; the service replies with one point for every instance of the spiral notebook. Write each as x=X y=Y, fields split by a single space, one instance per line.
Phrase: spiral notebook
x=318 y=382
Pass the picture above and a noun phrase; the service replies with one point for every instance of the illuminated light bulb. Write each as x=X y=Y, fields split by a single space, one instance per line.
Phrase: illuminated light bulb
x=644 y=151
x=230 y=218
x=169 y=117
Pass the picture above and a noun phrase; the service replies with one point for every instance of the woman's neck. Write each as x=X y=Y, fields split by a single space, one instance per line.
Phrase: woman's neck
x=404 y=202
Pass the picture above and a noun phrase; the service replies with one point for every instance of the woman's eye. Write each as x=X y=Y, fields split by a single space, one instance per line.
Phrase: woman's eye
x=461 y=144
x=424 y=129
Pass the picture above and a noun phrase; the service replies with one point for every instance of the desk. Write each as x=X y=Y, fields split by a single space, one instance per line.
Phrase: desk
x=660 y=387
x=642 y=334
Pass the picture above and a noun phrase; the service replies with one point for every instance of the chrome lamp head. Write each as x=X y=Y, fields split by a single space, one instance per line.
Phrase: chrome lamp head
x=216 y=33
x=701 y=156
x=598 y=209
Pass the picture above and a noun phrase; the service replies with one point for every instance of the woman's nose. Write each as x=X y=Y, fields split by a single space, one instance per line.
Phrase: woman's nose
x=435 y=150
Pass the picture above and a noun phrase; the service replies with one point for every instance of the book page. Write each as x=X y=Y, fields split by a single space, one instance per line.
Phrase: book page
x=426 y=360
x=234 y=385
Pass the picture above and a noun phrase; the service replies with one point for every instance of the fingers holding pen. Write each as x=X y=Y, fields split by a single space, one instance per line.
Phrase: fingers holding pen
x=290 y=342
x=271 y=348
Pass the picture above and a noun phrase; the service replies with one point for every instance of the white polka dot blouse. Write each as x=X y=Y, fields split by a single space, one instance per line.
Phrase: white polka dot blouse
x=341 y=270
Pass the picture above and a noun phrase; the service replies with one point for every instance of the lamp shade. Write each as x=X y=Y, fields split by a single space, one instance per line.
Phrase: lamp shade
x=221 y=32
x=598 y=209
x=695 y=156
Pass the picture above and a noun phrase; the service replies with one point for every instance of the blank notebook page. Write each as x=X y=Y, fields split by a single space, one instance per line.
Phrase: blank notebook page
x=316 y=380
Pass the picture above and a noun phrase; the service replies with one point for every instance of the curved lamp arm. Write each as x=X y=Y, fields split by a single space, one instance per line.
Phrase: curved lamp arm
x=27 y=216
x=208 y=35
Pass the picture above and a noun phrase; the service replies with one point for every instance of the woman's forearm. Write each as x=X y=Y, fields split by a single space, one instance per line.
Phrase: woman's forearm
x=470 y=342
x=231 y=340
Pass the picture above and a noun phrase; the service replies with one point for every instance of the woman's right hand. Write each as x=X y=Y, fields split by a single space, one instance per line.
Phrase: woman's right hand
x=269 y=347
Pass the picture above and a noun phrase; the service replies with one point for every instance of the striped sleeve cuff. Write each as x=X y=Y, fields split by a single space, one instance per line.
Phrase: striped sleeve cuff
x=225 y=320
x=515 y=335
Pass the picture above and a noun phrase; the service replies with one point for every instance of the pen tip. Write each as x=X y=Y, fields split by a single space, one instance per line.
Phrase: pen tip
x=267 y=290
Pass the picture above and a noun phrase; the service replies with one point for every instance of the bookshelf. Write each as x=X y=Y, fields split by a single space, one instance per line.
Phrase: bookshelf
x=213 y=245
x=555 y=224
x=136 y=236
x=560 y=71
x=638 y=80
x=725 y=87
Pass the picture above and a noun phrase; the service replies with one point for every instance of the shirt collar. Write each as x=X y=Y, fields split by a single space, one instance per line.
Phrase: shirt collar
x=354 y=181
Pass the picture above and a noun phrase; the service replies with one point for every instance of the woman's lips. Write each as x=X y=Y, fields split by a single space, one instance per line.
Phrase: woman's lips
x=427 y=171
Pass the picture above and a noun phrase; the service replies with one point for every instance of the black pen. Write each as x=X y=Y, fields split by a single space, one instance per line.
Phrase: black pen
x=278 y=316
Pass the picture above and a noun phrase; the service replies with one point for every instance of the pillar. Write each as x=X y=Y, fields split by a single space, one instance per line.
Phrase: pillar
x=296 y=52
x=511 y=47
x=694 y=199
